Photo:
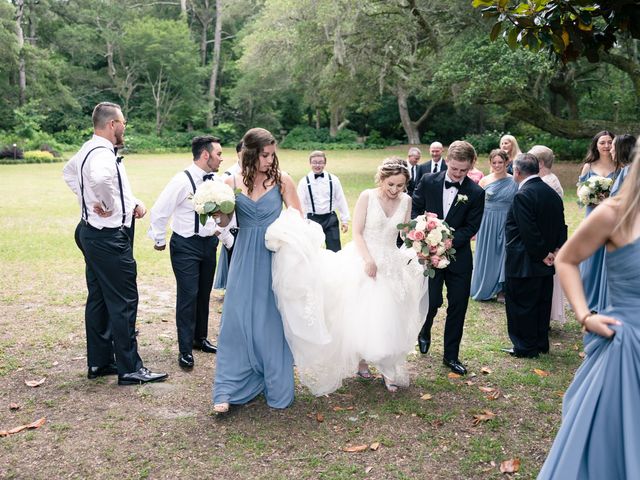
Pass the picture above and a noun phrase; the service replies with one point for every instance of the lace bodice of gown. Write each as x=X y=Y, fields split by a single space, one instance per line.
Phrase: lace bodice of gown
x=381 y=232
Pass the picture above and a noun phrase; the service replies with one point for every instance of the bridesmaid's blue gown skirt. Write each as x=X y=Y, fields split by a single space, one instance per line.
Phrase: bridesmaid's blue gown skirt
x=253 y=354
x=600 y=433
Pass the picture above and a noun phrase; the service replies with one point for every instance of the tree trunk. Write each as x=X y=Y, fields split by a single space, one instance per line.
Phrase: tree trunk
x=22 y=74
x=215 y=65
x=335 y=115
x=317 y=118
x=183 y=8
x=410 y=128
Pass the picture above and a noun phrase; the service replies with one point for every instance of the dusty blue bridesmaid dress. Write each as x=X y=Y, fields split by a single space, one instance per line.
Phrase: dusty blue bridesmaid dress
x=592 y=269
x=488 y=264
x=600 y=433
x=253 y=355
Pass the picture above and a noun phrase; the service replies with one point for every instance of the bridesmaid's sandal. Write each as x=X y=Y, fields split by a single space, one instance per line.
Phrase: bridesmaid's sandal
x=391 y=387
x=221 y=408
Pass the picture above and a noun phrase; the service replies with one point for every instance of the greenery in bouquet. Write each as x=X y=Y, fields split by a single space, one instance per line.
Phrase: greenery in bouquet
x=432 y=240
x=213 y=197
x=593 y=190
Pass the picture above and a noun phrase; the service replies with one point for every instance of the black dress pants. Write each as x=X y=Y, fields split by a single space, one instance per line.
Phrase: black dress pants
x=112 y=300
x=458 y=290
x=528 y=306
x=194 y=262
x=330 y=227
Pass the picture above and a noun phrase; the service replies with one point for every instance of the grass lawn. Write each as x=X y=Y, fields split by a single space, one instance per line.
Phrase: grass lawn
x=95 y=429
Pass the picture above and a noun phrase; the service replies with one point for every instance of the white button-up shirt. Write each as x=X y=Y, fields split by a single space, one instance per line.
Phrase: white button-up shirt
x=175 y=202
x=435 y=164
x=449 y=195
x=526 y=180
x=99 y=178
x=320 y=190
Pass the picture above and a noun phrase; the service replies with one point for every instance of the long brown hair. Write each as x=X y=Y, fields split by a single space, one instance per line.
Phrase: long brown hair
x=252 y=144
x=593 y=154
x=629 y=196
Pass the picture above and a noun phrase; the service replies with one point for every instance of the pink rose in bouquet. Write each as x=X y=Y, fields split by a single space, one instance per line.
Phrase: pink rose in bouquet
x=431 y=239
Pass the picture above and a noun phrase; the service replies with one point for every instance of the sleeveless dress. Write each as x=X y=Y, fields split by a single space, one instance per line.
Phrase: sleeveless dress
x=334 y=313
x=488 y=269
x=253 y=355
x=600 y=433
x=222 y=269
x=592 y=269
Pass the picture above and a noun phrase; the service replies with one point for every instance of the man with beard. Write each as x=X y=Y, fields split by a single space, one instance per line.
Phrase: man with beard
x=98 y=177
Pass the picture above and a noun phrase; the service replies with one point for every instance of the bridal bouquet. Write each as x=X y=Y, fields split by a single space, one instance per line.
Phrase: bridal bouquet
x=593 y=190
x=432 y=239
x=213 y=197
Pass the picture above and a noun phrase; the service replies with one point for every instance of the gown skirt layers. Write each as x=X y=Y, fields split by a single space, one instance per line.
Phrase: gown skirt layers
x=253 y=355
x=592 y=269
x=488 y=269
x=334 y=314
x=600 y=433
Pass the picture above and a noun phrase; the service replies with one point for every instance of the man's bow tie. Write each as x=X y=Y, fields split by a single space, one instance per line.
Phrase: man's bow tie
x=119 y=159
x=208 y=176
x=321 y=175
x=452 y=184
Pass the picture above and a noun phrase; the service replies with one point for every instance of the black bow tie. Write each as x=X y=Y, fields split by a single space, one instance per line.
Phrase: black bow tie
x=208 y=176
x=452 y=184
x=321 y=175
x=119 y=159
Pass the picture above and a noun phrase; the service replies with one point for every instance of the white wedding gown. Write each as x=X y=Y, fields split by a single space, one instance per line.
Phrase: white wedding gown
x=334 y=315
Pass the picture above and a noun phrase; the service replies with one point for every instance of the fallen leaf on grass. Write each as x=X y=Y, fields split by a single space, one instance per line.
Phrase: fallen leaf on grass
x=483 y=417
x=374 y=446
x=342 y=409
x=541 y=373
x=426 y=396
x=469 y=382
x=487 y=389
x=37 y=424
x=368 y=469
x=453 y=375
x=582 y=354
x=486 y=370
x=319 y=417
x=14 y=406
x=510 y=466
x=494 y=395
x=34 y=383
x=355 y=448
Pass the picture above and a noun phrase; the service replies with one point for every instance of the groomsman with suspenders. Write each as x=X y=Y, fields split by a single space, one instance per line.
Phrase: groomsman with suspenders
x=320 y=196
x=192 y=247
x=98 y=177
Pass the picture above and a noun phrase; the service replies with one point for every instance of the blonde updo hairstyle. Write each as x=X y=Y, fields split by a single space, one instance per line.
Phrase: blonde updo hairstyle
x=390 y=167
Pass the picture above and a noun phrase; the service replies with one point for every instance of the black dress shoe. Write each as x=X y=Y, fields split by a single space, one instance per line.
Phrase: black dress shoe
x=95 y=372
x=205 y=345
x=423 y=344
x=519 y=354
x=455 y=366
x=144 y=375
x=186 y=360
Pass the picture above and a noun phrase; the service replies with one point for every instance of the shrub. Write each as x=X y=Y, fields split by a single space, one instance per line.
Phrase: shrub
x=309 y=138
x=32 y=156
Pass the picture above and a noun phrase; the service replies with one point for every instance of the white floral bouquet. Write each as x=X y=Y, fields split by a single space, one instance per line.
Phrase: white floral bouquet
x=213 y=197
x=593 y=190
x=432 y=239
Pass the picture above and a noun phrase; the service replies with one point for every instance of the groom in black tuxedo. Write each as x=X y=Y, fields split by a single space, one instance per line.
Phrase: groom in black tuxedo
x=460 y=202
x=534 y=232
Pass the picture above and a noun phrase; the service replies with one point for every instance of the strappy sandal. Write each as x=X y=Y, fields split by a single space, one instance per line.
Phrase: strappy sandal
x=364 y=372
x=391 y=387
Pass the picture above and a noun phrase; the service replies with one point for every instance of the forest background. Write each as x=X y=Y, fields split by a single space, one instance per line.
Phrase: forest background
x=318 y=73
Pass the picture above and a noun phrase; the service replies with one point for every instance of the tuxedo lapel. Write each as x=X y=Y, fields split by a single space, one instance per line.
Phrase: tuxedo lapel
x=456 y=205
x=436 y=194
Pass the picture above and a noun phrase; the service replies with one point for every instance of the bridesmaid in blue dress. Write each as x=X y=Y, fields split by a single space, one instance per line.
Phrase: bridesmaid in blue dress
x=600 y=433
x=597 y=162
x=488 y=268
x=253 y=355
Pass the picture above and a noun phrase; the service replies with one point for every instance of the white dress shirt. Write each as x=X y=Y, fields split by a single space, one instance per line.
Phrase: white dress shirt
x=449 y=195
x=320 y=189
x=234 y=169
x=100 y=183
x=175 y=202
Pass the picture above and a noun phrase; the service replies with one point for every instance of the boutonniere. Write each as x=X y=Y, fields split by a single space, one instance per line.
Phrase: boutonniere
x=461 y=199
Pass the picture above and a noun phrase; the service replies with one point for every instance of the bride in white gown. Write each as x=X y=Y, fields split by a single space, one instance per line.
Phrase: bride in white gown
x=362 y=305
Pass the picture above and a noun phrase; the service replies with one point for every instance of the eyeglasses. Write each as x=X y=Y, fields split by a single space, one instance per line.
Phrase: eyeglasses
x=317 y=164
x=123 y=122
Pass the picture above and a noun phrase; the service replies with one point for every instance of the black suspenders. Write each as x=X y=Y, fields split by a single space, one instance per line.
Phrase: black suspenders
x=85 y=211
x=313 y=206
x=196 y=228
